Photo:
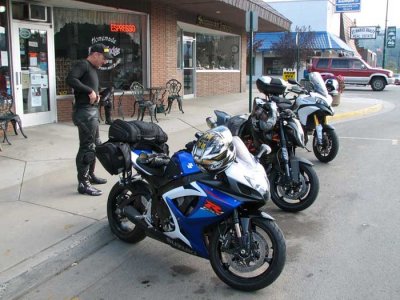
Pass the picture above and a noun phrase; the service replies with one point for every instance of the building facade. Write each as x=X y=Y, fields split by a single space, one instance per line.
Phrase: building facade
x=202 y=44
x=330 y=33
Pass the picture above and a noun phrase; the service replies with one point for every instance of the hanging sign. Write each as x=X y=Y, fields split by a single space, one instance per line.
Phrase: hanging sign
x=391 y=37
x=347 y=6
x=363 y=32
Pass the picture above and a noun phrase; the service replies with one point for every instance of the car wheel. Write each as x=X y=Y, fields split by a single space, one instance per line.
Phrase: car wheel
x=378 y=84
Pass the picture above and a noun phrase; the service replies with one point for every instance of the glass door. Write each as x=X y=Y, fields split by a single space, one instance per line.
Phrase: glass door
x=188 y=65
x=34 y=83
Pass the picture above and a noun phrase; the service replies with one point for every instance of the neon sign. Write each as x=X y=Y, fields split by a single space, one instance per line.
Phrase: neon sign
x=122 y=28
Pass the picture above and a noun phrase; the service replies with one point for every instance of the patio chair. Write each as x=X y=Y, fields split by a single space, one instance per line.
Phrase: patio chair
x=7 y=116
x=172 y=90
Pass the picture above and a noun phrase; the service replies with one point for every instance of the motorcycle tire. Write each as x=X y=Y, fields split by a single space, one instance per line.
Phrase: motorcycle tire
x=329 y=148
x=119 y=224
x=268 y=254
x=290 y=200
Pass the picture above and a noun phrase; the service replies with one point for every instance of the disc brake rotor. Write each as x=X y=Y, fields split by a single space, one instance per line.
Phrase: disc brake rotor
x=252 y=261
x=291 y=192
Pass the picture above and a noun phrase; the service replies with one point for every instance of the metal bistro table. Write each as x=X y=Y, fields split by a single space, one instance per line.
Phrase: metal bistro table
x=154 y=97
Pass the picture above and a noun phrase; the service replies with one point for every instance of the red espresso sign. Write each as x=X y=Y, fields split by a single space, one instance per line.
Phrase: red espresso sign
x=122 y=28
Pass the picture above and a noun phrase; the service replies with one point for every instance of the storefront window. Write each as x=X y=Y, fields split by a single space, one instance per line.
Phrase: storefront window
x=5 y=85
x=216 y=52
x=76 y=30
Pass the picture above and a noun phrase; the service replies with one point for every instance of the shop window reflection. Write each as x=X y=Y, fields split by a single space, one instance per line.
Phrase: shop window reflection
x=73 y=40
x=217 y=52
x=5 y=84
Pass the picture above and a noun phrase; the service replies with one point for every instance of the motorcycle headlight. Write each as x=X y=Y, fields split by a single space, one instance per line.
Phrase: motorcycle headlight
x=321 y=101
x=258 y=187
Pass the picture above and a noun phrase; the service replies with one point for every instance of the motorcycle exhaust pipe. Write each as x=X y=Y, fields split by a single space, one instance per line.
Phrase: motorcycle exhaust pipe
x=137 y=218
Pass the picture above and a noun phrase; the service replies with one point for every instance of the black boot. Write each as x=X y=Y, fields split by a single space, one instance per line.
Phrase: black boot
x=96 y=180
x=84 y=187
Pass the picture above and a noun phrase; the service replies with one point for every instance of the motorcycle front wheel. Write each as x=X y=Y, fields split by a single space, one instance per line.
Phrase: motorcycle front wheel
x=249 y=270
x=291 y=196
x=329 y=148
x=121 y=196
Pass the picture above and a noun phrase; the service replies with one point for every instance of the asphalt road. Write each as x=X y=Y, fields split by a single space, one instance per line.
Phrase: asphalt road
x=345 y=246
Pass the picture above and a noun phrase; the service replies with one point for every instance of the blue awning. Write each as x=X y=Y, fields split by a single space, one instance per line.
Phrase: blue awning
x=323 y=40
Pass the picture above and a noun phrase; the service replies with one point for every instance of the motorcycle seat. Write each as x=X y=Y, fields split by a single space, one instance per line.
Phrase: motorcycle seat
x=281 y=102
x=235 y=124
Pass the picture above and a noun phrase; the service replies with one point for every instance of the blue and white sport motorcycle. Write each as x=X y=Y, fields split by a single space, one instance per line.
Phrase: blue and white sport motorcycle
x=206 y=204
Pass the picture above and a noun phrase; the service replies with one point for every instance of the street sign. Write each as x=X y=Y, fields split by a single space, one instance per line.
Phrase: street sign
x=391 y=37
x=363 y=32
x=254 y=19
x=347 y=6
x=289 y=74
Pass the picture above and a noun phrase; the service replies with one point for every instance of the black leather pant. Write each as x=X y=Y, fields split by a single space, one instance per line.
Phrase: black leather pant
x=107 y=110
x=87 y=121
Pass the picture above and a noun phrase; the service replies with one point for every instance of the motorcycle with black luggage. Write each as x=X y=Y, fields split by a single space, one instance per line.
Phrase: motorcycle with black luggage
x=204 y=200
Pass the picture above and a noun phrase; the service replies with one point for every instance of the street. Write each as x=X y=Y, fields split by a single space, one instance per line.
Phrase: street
x=345 y=246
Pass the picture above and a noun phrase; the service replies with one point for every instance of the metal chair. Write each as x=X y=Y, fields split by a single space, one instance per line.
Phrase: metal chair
x=172 y=90
x=143 y=103
x=7 y=115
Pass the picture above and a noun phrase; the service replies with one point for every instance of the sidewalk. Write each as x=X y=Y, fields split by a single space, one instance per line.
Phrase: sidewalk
x=43 y=219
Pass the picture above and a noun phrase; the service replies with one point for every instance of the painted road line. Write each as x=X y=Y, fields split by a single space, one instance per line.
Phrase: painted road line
x=357 y=113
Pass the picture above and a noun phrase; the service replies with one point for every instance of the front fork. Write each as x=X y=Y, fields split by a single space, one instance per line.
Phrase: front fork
x=318 y=129
x=242 y=233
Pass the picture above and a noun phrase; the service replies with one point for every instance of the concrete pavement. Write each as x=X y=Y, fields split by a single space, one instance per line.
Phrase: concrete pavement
x=46 y=226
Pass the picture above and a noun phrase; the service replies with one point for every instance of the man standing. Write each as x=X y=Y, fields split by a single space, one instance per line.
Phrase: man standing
x=85 y=82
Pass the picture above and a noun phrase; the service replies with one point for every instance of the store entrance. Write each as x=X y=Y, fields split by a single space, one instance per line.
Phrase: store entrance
x=189 y=44
x=34 y=73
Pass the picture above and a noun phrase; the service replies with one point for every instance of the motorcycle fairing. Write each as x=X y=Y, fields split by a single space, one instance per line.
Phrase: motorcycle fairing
x=298 y=132
x=211 y=208
x=306 y=110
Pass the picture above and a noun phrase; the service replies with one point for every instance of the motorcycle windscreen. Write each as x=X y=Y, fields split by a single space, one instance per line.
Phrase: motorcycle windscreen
x=318 y=83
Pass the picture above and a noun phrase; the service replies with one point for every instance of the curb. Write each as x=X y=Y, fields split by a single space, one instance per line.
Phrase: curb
x=22 y=278
x=361 y=112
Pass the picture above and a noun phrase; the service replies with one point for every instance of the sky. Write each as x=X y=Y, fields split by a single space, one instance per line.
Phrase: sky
x=373 y=12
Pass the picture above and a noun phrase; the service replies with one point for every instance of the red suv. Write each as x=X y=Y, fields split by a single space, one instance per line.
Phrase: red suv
x=354 y=70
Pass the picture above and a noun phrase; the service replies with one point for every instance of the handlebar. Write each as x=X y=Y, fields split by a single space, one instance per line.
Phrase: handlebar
x=155 y=160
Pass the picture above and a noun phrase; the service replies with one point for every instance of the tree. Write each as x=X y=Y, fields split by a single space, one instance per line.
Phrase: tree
x=287 y=49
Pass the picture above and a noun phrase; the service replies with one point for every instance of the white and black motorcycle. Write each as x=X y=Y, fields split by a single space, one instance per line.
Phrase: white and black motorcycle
x=312 y=105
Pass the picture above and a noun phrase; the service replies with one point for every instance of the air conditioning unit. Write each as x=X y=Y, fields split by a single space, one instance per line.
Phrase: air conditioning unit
x=37 y=12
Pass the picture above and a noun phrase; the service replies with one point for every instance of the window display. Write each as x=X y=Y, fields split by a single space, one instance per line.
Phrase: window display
x=217 y=52
x=125 y=34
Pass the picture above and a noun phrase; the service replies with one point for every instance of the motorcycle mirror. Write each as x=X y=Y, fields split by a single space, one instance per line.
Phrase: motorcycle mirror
x=211 y=123
x=263 y=148
x=198 y=134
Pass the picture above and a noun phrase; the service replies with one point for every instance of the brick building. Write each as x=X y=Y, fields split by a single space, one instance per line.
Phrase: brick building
x=201 y=43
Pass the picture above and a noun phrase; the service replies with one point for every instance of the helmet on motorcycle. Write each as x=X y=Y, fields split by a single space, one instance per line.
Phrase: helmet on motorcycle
x=271 y=86
x=264 y=115
x=214 y=151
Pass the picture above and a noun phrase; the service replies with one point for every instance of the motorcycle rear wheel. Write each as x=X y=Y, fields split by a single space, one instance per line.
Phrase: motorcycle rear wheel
x=292 y=200
x=258 y=269
x=329 y=148
x=119 y=224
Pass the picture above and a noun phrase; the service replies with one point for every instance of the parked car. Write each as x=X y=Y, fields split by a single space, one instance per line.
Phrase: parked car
x=354 y=70
x=397 y=79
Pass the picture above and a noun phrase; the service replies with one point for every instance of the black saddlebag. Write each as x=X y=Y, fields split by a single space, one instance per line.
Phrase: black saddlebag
x=139 y=134
x=114 y=156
